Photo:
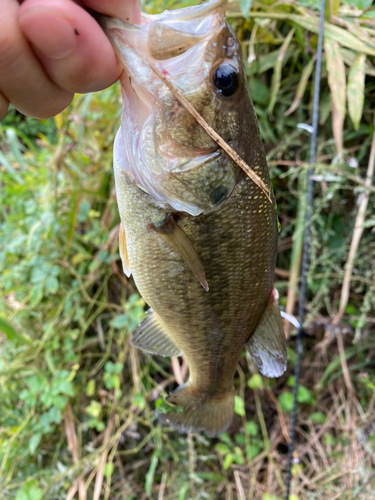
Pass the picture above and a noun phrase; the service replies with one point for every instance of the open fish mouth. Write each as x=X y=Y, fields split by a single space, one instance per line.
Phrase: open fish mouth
x=175 y=40
x=158 y=142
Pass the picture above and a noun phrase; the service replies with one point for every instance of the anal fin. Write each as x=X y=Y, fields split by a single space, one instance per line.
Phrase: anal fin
x=123 y=251
x=172 y=232
x=267 y=345
x=151 y=337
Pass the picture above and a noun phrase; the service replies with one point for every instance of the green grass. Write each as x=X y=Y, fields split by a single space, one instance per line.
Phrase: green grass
x=78 y=402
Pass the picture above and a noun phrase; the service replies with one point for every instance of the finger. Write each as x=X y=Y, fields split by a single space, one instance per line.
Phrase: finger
x=4 y=104
x=23 y=81
x=70 y=44
x=127 y=10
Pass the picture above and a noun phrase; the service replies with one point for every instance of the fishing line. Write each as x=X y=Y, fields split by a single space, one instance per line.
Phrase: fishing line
x=305 y=252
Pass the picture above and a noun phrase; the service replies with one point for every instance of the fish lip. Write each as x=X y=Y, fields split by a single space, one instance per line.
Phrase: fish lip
x=108 y=23
x=189 y=13
x=111 y=25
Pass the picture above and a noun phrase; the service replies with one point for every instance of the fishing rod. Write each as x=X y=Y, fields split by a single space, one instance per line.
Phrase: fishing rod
x=306 y=245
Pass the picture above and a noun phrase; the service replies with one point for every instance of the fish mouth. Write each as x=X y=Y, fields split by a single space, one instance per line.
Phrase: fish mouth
x=174 y=40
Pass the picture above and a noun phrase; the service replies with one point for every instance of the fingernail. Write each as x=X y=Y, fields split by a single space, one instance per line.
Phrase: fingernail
x=50 y=31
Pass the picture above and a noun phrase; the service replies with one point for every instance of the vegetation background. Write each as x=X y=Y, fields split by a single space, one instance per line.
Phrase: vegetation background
x=77 y=402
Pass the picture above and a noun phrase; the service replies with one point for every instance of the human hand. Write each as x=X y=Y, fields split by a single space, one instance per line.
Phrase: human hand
x=50 y=49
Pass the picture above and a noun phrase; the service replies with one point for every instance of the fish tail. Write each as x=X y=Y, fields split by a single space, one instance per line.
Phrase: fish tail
x=194 y=413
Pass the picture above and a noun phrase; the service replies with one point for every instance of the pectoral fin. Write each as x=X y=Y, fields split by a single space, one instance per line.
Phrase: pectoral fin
x=267 y=345
x=151 y=337
x=124 y=251
x=172 y=232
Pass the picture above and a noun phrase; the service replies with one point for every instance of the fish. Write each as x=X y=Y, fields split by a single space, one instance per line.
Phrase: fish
x=196 y=233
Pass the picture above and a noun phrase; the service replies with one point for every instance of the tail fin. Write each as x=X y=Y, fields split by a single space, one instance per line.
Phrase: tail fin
x=211 y=415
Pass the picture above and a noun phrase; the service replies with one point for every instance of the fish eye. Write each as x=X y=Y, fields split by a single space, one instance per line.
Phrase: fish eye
x=226 y=79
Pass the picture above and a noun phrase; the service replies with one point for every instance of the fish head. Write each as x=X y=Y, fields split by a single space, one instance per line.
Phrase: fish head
x=160 y=144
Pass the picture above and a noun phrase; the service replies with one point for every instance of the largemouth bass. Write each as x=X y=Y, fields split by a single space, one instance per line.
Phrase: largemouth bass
x=197 y=234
